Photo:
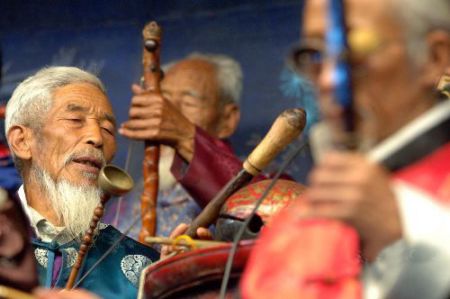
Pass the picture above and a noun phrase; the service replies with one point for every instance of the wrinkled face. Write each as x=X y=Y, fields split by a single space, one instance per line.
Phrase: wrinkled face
x=77 y=136
x=387 y=94
x=192 y=87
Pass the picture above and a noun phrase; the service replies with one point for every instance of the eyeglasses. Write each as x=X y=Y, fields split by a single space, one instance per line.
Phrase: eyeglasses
x=308 y=57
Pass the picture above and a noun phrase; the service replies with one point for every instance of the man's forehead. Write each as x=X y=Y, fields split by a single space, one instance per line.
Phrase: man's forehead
x=86 y=109
x=191 y=74
x=81 y=97
x=191 y=68
x=368 y=14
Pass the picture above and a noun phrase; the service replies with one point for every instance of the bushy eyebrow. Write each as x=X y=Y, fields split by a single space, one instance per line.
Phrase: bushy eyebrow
x=110 y=118
x=77 y=108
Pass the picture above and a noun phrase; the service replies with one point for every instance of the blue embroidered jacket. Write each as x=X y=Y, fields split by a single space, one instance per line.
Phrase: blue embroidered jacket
x=117 y=276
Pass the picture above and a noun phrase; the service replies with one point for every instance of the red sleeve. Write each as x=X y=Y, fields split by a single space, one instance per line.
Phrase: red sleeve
x=213 y=165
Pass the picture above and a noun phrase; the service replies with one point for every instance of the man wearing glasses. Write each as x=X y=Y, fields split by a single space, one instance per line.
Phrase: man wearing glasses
x=395 y=191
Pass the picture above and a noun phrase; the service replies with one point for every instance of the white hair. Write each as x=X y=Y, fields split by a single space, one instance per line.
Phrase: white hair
x=33 y=98
x=229 y=74
x=418 y=18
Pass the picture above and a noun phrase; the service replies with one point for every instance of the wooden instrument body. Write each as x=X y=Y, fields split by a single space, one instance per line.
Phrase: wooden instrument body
x=152 y=76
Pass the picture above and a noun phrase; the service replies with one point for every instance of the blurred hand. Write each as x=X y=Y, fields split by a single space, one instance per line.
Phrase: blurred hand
x=346 y=186
x=152 y=117
x=63 y=294
x=167 y=250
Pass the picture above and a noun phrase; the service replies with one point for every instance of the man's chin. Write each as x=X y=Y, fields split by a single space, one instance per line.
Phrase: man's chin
x=83 y=179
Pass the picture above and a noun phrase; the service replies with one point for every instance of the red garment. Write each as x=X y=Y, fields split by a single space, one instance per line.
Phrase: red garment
x=4 y=151
x=298 y=258
x=431 y=174
x=213 y=165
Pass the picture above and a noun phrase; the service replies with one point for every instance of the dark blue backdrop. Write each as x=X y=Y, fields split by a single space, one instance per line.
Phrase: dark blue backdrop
x=105 y=37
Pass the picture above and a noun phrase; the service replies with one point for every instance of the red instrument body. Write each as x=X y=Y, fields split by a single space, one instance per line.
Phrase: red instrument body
x=241 y=203
x=239 y=206
x=196 y=274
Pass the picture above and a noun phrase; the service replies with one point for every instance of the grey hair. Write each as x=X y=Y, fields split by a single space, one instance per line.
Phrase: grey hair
x=33 y=98
x=420 y=17
x=229 y=74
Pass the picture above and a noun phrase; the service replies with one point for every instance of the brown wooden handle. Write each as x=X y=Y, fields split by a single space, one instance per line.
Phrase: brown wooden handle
x=211 y=212
x=284 y=130
x=184 y=242
x=151 y=82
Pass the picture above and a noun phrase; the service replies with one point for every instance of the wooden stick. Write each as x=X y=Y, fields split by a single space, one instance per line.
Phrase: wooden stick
x=183 y=242
x=87 y=241
x=151 y=79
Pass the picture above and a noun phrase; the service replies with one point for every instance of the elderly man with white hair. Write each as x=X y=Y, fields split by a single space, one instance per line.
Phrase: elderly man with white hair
x=60 y=128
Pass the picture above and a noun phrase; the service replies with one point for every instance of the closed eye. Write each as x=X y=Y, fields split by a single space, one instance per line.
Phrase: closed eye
x=109 y=131
x=75 y=121
x=190 y=104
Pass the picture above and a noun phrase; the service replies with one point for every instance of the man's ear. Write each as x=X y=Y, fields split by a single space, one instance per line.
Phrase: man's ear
x=438 y=58
x=19 y=139
x=231 y=115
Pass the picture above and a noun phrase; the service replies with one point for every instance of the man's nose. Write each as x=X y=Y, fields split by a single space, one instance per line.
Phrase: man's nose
x=94 y=135
x=176 y=101
x=325 y=79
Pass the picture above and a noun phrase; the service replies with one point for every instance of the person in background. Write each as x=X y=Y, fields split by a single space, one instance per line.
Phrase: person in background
x=196 y=113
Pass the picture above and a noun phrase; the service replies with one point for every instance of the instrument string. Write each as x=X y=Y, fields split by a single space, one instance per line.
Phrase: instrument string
x=290 y=157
